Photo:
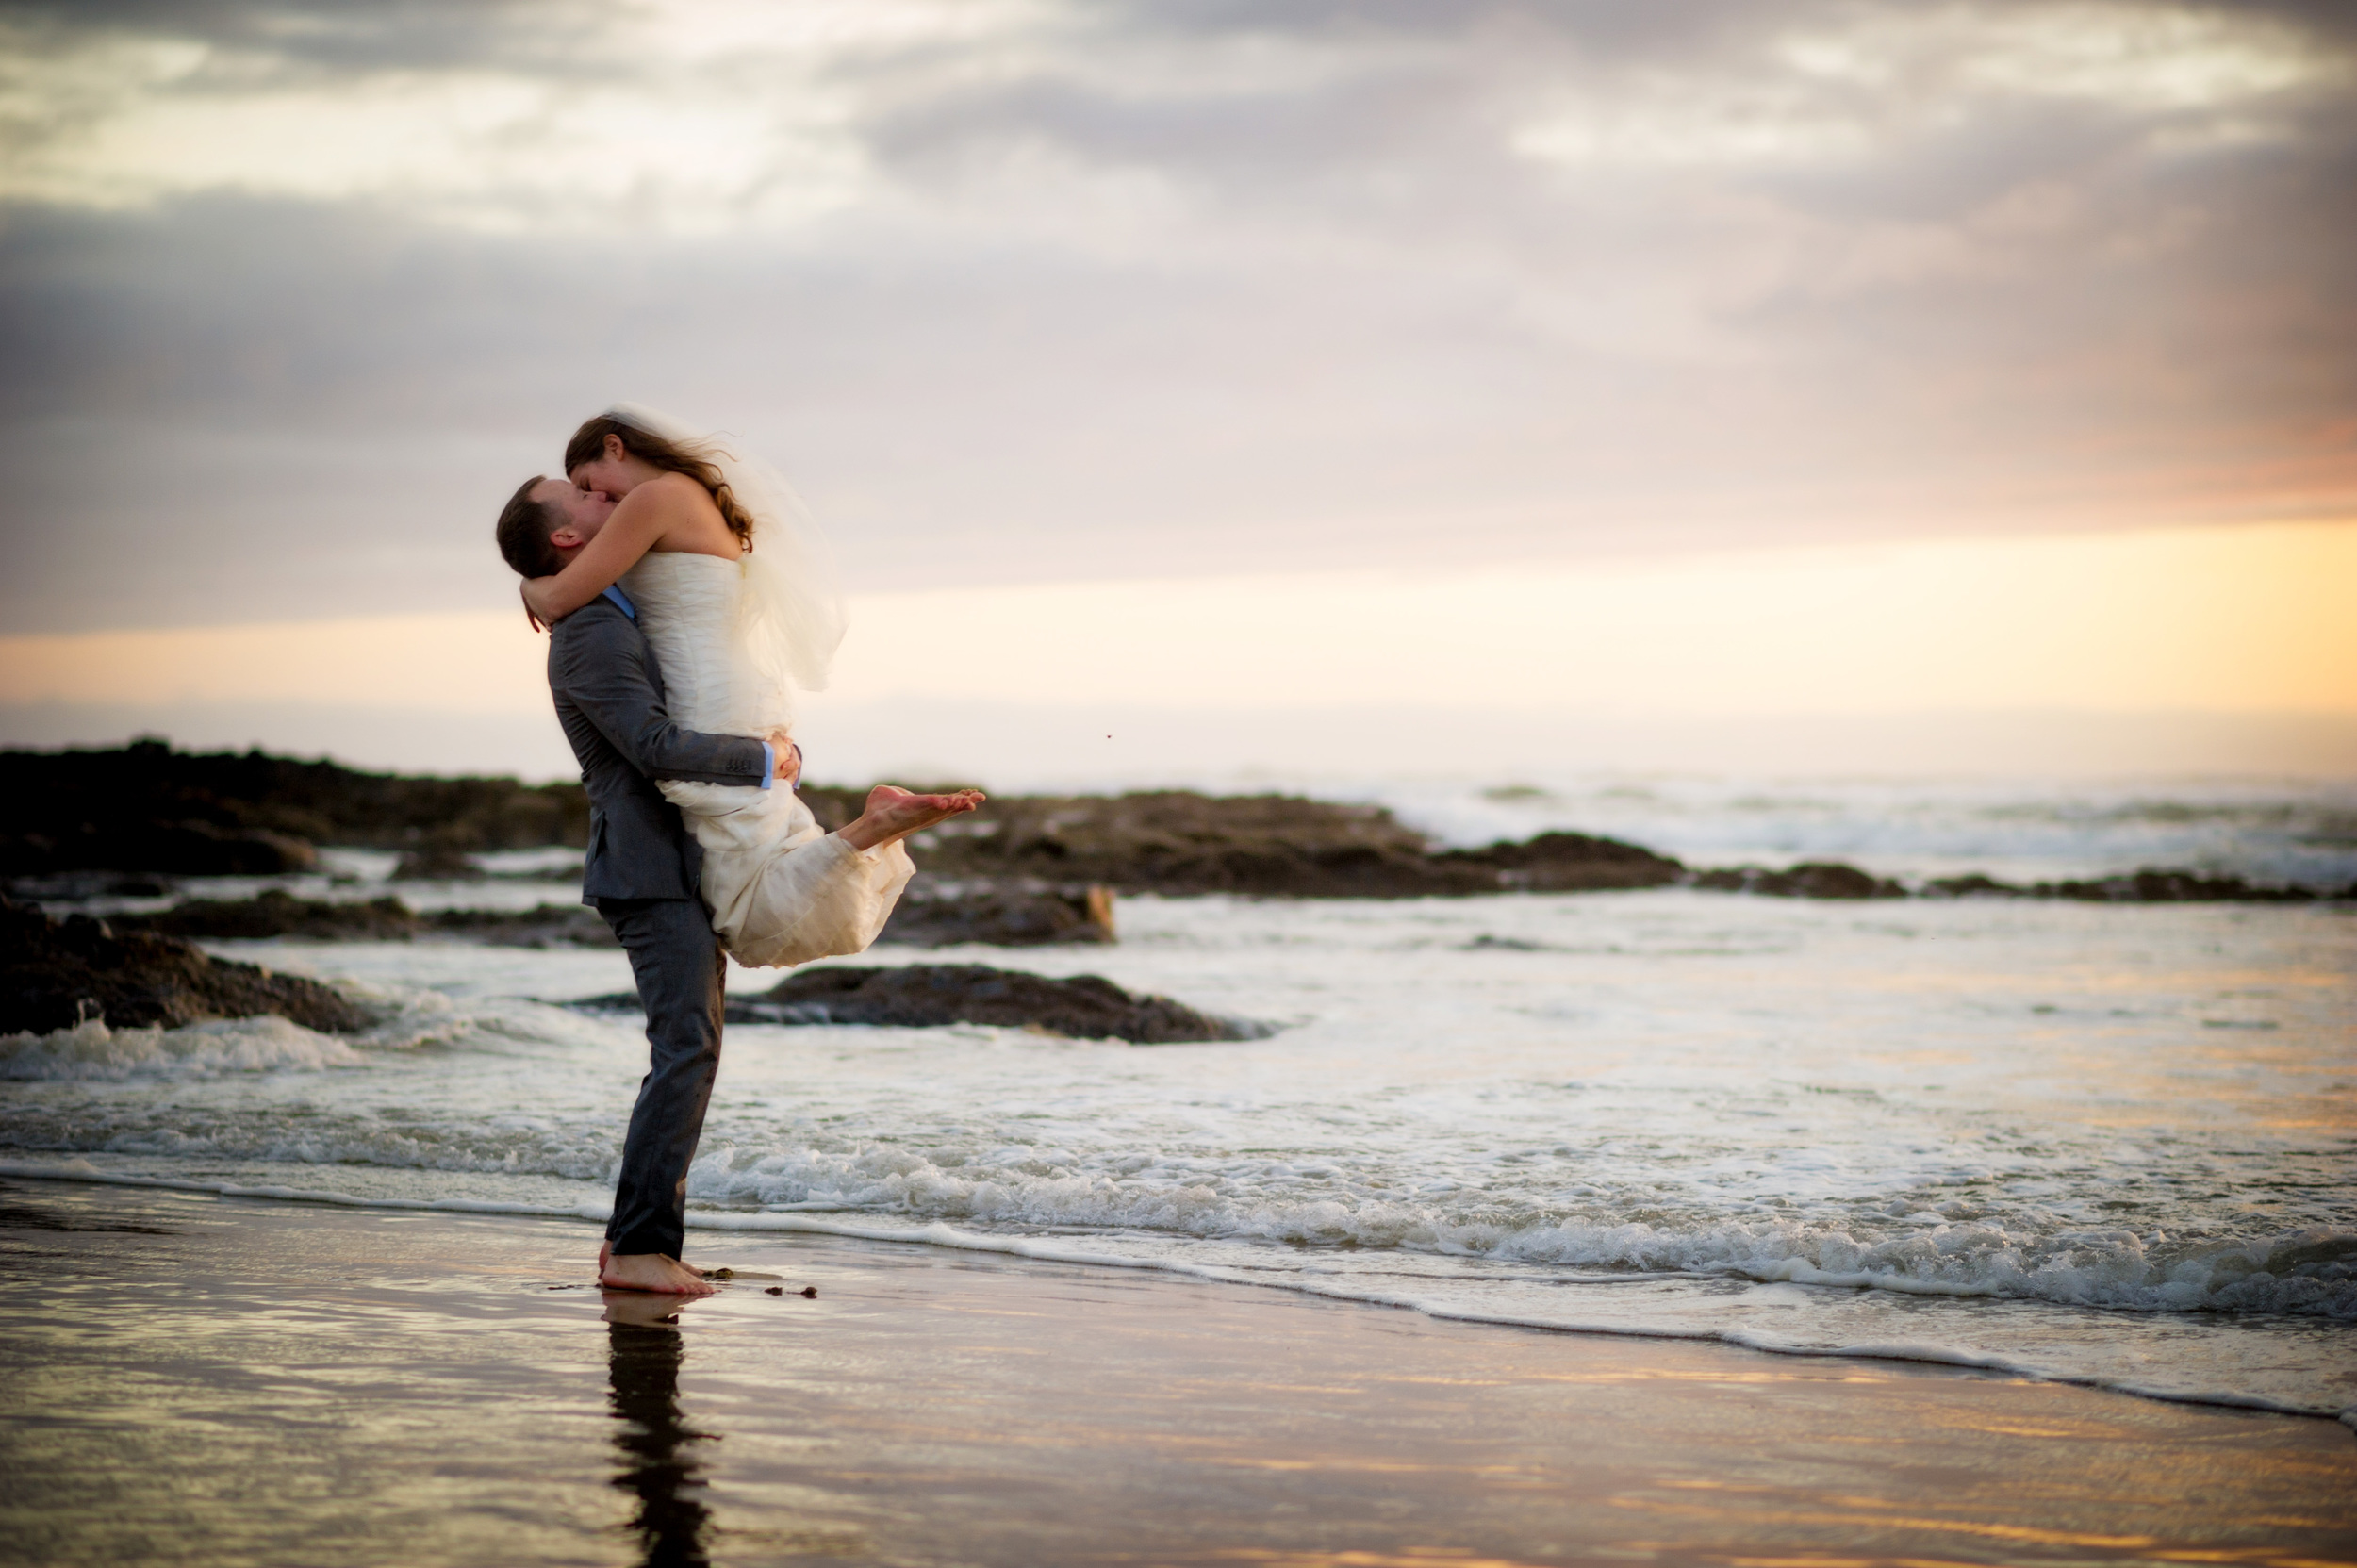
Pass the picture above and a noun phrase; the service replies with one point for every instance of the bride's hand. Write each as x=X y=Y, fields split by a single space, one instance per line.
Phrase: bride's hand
x=536 y=591
x=789 y=756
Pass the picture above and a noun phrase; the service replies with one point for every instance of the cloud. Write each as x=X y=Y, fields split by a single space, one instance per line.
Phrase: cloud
x=291 y=294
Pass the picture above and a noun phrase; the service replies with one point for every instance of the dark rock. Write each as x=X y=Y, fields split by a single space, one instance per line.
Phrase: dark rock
x=1974 y=885
x=1029 y=915
x=1814 y=879
x=1173 y=841
x=2149 y=886
x=136 y=887
x=923 y=996
x=1832 y=880
x=54 y=972
x=2171 y=887
x=76 y=886
x=1571 y=863
x=145 y=807
x=273 y=913
x=438 y=862
x=1086 y=1007
x=542 y=926
x=774 y=1290
x=186 y=849
x=1177 y=842
x=810 y=1293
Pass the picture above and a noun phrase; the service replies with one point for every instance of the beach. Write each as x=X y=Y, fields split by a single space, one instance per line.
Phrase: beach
x=202 y=1380
x=2092 y=1143
x=1672 y=1223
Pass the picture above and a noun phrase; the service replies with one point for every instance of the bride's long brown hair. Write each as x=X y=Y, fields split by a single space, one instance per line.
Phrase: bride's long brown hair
x=588 y=445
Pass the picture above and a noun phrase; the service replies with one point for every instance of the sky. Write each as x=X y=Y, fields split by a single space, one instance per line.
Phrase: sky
x=1678 y=361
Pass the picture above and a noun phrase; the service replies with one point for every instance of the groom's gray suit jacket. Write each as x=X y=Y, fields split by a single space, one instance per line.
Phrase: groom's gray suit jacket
x=609 y=697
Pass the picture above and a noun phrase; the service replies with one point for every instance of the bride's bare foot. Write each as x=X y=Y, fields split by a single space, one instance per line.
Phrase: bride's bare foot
x=894 y=812
x=649 y=1271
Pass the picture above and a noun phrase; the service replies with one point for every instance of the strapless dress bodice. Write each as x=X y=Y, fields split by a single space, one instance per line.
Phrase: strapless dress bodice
x=687 y=607
x=782 y=890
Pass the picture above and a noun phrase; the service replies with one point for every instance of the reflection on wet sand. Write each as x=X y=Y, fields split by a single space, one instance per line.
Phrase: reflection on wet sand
x=225 y=1384
x=659 y=1464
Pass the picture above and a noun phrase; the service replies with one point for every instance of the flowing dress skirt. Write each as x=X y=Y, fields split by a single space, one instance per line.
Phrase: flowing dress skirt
x=781 y=889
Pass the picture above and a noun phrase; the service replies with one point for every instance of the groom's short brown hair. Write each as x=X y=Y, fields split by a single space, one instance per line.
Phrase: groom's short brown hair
x=524 y=531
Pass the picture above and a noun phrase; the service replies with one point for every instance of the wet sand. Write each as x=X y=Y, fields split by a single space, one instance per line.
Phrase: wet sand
x=203 y=1380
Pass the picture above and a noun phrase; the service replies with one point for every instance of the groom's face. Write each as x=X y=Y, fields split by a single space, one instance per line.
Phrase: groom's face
x=579 y=513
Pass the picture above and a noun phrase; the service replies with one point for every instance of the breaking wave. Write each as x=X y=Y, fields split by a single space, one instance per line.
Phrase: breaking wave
x=2309 y=1272
x=2295 y=1252
x=92 y=1050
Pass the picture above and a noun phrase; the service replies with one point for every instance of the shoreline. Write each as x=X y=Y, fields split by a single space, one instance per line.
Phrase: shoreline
x=210 y=1379
x=941 y=1235
x=269 y=815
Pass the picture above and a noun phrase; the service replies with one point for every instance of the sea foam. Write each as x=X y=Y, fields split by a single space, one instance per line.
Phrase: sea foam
x=1093 y=1253
x=92 y=1050
x=2310 y=1272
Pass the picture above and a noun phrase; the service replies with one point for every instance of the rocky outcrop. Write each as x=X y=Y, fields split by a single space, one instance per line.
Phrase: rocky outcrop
x=927 y=917
x=2150 y=886
x=1267 y=846
x=1834 y=880
x=1086 y=1007
x=275 y=914
x=1173 y=841
x=54 y=973
x=1568 y=863
x=195 y=847
x=923 y=996
x=145 y=807
x=436 y=862
x=1813 y=879
x=541 y=926
x=932 y=915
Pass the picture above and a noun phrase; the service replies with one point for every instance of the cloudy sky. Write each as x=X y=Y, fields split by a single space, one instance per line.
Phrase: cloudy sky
x=1025 y=292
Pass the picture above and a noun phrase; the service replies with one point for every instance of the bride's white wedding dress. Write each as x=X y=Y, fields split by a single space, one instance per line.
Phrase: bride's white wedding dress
x=781 y=889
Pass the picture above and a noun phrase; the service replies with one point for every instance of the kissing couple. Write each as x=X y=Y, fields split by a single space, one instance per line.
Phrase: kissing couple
x=688 y=597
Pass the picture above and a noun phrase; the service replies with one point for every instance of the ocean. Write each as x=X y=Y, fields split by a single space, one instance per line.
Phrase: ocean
x=2110 y=1143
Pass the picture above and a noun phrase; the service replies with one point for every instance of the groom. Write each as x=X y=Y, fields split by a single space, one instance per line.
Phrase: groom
x=641 y=872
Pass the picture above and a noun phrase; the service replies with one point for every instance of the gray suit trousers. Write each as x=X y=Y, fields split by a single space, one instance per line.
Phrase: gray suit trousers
x=681 y=973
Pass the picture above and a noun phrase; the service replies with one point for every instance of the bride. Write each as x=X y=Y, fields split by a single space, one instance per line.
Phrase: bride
x=726 y=578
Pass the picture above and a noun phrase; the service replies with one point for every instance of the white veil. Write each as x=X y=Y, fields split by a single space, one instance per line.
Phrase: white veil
x=791 y=616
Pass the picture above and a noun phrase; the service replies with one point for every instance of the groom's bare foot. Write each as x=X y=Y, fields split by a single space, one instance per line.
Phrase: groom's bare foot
x=640 y=1309
x=649 y=1271
x=894 y=812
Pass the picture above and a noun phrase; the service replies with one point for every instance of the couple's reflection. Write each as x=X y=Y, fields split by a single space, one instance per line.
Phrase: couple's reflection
x=658 y=1450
